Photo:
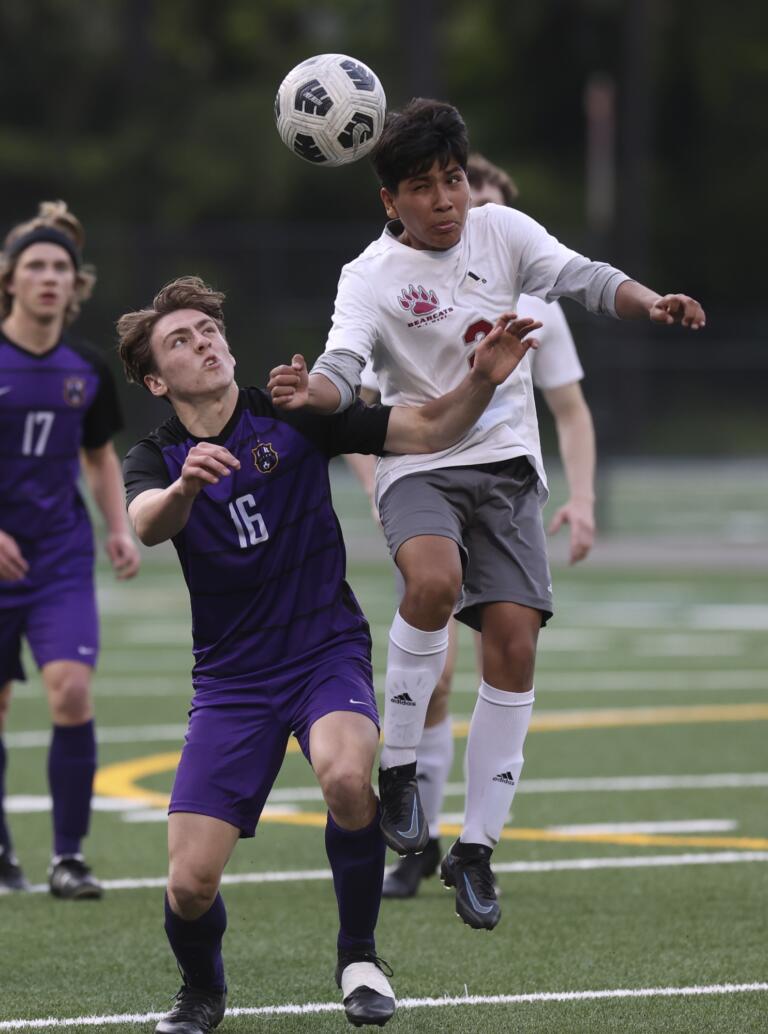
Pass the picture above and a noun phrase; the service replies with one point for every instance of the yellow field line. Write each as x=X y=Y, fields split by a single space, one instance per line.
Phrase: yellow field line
x=122 y=778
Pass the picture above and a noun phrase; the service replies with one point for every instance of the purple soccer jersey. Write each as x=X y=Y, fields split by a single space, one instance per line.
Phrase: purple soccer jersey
x=51 y=406
x=262 y=551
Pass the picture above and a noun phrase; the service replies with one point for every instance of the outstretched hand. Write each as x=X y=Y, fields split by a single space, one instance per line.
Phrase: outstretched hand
x=289 y=385
x=500 y=351
x=678 y=308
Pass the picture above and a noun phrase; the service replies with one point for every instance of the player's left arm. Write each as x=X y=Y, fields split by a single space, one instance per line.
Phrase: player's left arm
x=105 y=481
x=576 y=440
x=443 y=421
x=635 y=301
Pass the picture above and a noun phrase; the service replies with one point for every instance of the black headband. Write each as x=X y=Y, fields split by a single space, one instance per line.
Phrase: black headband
x=47 y=235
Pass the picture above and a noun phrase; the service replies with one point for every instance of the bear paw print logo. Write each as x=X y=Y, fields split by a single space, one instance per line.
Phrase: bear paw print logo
x=418 y=300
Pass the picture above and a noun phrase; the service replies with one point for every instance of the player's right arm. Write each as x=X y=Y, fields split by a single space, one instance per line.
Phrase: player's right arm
x=13 y=566
x=160 y=513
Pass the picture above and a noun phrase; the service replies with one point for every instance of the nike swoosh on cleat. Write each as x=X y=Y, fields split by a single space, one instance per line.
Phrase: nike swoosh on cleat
x=414 y=830
x=473 y=898
x=357 y=701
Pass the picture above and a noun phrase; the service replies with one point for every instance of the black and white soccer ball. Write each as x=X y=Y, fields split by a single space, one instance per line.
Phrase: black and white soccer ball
x=330 y=109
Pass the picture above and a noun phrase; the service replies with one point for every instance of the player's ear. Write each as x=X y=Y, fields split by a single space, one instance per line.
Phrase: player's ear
x=156 y=385
x=388 y=201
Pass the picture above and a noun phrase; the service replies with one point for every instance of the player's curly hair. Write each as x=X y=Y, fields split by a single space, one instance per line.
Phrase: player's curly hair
x=50 y=215
x=424 y=131
x=480 y=171
x=134 y=329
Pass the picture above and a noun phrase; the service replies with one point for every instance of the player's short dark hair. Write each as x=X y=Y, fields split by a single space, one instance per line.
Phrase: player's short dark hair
x=424 y=131
x=52 y=215
x=480 y=171
x=134 y=329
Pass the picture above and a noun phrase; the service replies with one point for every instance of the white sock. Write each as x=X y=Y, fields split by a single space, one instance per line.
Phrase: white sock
x=415 y=661
x=434 y=758
x=494 y=761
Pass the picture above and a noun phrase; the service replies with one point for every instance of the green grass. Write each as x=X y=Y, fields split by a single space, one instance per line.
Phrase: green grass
x=560 y=931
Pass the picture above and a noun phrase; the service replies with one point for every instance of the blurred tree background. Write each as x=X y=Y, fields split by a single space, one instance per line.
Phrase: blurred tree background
x=153 y=119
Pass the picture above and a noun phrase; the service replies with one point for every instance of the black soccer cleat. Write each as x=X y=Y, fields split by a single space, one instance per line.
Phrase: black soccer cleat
x=195 y=1011
x=403 y=881
x=70 y=878
x=368 y=996
x=467 y=867
x=11 y=876
x=403 y=825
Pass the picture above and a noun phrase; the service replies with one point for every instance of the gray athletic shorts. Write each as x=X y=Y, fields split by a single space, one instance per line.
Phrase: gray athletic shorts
x=493 y=514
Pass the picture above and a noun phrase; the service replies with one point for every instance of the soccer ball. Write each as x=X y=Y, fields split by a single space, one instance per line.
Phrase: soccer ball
x=330 y=109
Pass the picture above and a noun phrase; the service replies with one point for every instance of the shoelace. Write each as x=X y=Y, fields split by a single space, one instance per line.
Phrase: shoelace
x=367 y=956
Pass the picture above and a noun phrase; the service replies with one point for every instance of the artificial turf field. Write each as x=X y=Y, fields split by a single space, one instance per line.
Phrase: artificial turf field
x=636 y=858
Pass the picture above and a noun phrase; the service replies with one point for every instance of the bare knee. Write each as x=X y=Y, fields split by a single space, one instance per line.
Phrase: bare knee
x=69 y=693
x=347 y=790
x=191 y=892
x=430 y=597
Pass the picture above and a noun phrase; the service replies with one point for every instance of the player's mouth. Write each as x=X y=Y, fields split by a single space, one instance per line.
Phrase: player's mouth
x=445 y=228
x=211 y=363
x=49 y=297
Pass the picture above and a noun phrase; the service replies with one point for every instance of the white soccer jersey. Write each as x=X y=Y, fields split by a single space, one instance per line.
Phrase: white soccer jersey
x=418 y=315
x=554 y=363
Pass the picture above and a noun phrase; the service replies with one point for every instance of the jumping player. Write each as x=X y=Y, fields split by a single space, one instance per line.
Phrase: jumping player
x=58 y=411
x=463 y=524
x=280 y=644
x=556 y=372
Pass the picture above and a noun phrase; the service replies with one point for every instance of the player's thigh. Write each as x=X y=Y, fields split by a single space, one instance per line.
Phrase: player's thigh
x=507 y=546
x=344 y=742
x=423 y=516
x=230 y=760
x=62 y=624
x=335 y=706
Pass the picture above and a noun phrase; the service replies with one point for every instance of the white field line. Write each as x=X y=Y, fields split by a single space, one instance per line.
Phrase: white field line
x=24 y=804
x=559 y=865
x=313 y=1008
x=673 y=826
x=680 y=826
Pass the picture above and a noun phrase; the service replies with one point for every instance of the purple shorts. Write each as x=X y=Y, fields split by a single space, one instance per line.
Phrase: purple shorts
x=233 y=750
x=59 y=621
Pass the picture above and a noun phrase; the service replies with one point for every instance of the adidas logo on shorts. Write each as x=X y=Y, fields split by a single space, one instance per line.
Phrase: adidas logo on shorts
x=504 y=777
x=404 y=699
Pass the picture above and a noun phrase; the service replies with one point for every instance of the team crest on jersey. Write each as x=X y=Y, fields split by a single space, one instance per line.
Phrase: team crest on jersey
x=74 y=391
x=265 y=458
x=418 y=300
x=422 y=303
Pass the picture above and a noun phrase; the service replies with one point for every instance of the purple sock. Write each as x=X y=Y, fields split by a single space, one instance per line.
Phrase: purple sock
x=71 y=768
x=196 y=943
x=5 y=834
x=357 y=863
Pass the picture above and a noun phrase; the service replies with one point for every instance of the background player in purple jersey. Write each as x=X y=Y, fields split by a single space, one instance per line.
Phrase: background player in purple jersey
x=58 y=409
x=280 y=643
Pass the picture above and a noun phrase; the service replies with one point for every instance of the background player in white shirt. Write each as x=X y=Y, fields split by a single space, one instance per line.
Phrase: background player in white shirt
x=464 y=524
x=556 y=371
